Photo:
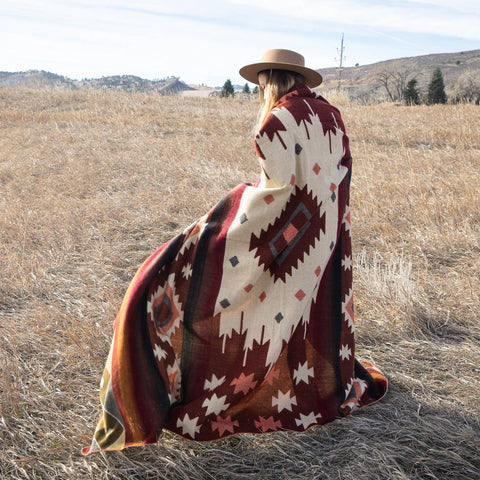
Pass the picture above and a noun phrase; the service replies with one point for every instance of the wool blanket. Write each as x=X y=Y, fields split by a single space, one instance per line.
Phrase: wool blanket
x=244 y=322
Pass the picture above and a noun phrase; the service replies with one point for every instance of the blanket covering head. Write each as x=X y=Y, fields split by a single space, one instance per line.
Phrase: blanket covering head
x=244 y=322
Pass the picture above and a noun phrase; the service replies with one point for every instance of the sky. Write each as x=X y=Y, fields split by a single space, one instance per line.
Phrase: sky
x=207 y=41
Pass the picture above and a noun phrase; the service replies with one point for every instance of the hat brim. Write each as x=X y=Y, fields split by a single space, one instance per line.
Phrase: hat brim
x=250 y=72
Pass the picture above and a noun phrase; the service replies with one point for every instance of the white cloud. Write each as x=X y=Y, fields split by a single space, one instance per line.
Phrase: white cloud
x=427 y=16
x=465 y=6
x=84 y=39
x=209 y=41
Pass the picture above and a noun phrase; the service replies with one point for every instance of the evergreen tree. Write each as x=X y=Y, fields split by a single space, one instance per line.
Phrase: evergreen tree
x=255 y=90
x=227 y=90
x=246 y=89
x=436 y=88
x=411 y=94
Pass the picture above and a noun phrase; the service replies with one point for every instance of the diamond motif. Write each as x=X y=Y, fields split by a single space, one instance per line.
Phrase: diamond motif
x=268 y=199
x=298 y=148
x=248 y=288
x=225 y=303
x=285 y=243
x=290 y=233
x=262 y=296
x=162 y=310
x=300 y=295
x=243 y=218
x=278 y=317
x=234 y=261
x=316 y=168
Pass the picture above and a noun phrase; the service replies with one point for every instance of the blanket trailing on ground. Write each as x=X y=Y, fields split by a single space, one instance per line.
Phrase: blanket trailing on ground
x=245 y=321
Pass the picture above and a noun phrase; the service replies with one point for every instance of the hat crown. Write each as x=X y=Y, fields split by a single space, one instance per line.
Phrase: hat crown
x=279 y=55
x=281 y=59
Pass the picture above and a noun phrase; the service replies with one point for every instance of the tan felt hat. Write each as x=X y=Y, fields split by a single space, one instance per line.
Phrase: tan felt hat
x=281 y=59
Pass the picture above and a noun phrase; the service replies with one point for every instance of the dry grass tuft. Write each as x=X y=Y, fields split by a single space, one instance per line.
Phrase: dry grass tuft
x=92 y=183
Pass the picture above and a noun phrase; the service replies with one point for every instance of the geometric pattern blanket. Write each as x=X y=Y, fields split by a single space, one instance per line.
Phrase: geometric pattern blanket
x=245 y=321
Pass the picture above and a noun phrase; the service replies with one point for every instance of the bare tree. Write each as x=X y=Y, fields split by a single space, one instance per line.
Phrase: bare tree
x=401 y=81
x=384 y=78
x=467 y=88
x=394 y=82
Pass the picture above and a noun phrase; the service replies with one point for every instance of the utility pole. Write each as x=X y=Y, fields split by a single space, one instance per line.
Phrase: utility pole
x=340 y=68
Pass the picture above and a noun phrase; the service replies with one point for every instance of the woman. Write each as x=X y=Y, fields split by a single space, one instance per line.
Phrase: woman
x=244 y=322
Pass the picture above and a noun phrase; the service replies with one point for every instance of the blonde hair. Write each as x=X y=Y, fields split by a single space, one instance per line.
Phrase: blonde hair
x=278 y=84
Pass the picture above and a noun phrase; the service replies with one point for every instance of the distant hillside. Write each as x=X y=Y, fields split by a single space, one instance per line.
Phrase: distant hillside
x=125 y=83
x=362 y=82
x=365 y=80
x=35 y=78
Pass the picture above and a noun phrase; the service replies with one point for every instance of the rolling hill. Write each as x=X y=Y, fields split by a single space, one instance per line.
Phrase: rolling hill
x=365 y=80
x=123 y=83
x=361 y=82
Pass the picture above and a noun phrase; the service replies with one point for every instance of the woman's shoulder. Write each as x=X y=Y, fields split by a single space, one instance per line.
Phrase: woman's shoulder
x=303 y=96
x=302 y=107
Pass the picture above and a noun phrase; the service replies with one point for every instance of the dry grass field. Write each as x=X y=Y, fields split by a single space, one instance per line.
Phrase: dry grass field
x=92 y=183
